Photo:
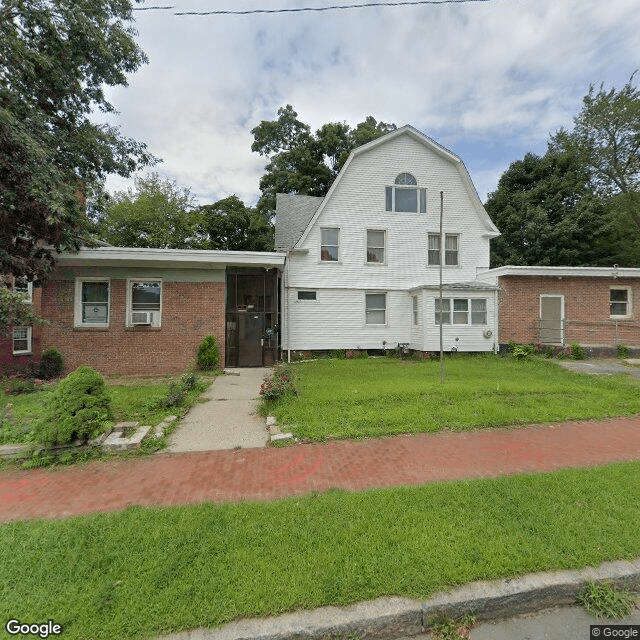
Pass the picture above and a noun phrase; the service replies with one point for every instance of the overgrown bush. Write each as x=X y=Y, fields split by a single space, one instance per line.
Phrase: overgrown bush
x=208 y=354
x=280 y=383
x=78 y=408
x=51 y=364
x=577 y=352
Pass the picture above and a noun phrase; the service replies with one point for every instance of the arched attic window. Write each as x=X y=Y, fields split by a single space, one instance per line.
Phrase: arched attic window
x=406 y=196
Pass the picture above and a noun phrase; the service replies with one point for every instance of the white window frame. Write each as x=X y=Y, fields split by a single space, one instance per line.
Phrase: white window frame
x=367 y=309
x=451 y=312
x=29 y=338
x=402 y=183
x=157 y=315
x=337 y=260
x=384 y=246
x=442 y=251
x=77 y=306
x=27 y=291
x=629 y=303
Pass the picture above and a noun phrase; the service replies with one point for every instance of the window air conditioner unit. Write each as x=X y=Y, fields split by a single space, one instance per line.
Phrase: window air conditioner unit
x=141 y=317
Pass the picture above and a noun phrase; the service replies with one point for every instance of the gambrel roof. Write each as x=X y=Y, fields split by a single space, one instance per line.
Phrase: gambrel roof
x=491 y=230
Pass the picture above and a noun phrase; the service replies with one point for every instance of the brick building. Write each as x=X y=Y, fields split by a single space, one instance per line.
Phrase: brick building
x=597 y=307
x=146 y=311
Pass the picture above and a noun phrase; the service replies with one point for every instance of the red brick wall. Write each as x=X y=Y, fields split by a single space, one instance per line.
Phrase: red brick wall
x=190 y=311
x=7 y=360
x=586 y=309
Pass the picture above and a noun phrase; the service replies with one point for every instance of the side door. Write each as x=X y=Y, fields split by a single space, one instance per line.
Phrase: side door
x=551 y=319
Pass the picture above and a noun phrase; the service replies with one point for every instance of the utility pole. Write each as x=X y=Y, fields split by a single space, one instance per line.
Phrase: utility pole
x=441 y=301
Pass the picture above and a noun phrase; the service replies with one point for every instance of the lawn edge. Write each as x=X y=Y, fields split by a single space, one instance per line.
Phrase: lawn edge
x=391 y=617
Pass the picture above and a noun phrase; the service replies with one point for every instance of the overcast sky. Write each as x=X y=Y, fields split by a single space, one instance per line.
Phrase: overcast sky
x=488 y=80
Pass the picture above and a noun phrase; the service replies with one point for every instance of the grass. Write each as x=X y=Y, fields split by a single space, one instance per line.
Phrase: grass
x=132 y=400
x=602 y=600
x=145 y=572
x=384 y=396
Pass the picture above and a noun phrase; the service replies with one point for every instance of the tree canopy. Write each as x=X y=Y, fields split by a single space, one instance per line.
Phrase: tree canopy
x=56 y=56
x=304 y=163
x=156 y=214
x=579 y=204
x=230 y=225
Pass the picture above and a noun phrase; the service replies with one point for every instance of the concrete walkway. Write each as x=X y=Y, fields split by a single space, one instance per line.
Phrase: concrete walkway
x=227 y=418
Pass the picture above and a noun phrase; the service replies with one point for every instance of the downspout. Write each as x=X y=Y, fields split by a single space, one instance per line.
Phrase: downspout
x=496 y=322
x=286 y=301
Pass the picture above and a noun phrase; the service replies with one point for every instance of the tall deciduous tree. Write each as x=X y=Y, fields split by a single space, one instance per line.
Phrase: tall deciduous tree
x=56 y=56
x=304 y=163
x=607 y=136
x=230 y=225
x=156 y=214
x=548 y=214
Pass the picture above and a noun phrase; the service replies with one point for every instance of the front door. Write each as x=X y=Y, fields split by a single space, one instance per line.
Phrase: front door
x=251 y=331
x=551 y=319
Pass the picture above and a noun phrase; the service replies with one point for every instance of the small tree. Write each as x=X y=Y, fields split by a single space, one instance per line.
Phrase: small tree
x=208 y=354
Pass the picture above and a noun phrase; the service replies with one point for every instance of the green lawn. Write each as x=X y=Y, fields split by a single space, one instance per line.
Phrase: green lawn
x=132 y=400
x=144 y=572
x=384 y=396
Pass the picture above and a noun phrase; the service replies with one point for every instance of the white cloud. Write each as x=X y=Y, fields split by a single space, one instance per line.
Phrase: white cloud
x=507 y=73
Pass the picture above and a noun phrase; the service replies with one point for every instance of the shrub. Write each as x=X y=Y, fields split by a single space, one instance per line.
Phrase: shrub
x=79 y=407
x=623 y=351
x=279 y=383
x=189 y=381
x=51 y=364
x=577 y=352
x=175 y=395
x=208 y=354
x=522 y=351
x=17 y=386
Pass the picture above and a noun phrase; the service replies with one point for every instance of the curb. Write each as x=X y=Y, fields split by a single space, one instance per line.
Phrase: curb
x=396 y=617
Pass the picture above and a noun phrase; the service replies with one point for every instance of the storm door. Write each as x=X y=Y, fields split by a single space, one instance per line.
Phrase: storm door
x=251 y=317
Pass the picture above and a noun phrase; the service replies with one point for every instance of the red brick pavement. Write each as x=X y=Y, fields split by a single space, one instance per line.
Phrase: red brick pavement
x=268 y=474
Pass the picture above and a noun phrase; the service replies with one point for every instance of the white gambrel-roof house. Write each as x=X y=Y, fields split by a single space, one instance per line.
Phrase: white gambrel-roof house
x=363 y=263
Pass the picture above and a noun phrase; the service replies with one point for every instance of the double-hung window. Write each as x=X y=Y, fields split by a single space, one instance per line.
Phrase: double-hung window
x=451 y=251
x=620 y=302
x=329 y=244
x=92 y=302
x=405 y=196
x=461 y=311
x=375 y=246
x=23 y=286
x=376 y=308
x=21 y=340
x=144 y=302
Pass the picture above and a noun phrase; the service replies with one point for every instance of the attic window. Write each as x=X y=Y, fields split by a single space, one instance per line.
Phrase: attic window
x=406 y=196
